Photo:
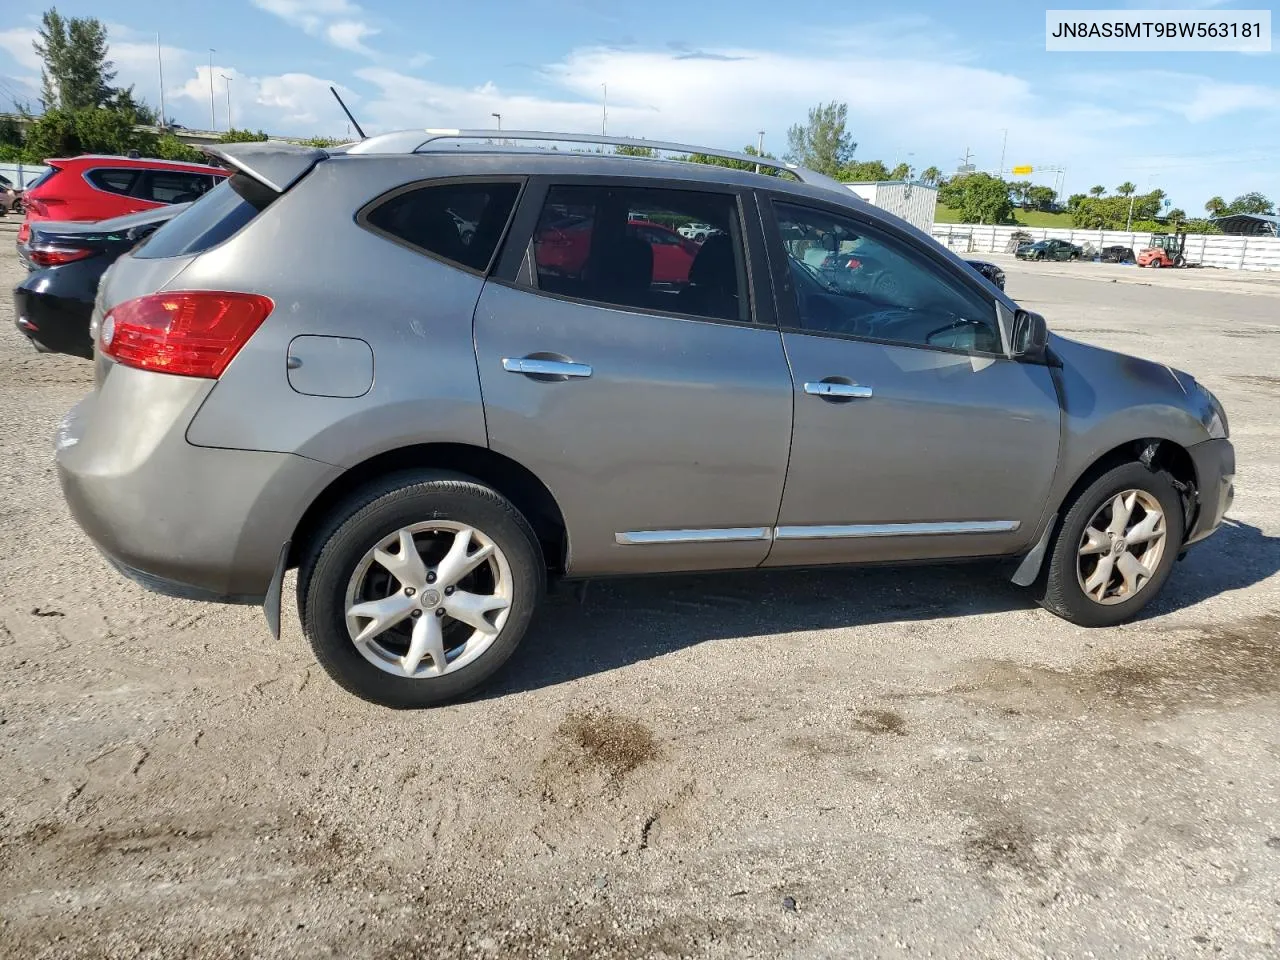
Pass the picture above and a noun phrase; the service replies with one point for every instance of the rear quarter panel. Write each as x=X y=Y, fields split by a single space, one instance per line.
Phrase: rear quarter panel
x=330 y=277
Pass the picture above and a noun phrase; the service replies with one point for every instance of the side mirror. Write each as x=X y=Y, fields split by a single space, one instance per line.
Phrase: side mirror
x=1030 y=336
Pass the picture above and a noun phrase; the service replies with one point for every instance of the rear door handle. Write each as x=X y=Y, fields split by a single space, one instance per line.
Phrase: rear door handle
x=538 y=367
x=834 y=390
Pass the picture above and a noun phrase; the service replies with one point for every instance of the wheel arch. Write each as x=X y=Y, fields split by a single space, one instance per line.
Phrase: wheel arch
x=1155 y=453
x=508 y=477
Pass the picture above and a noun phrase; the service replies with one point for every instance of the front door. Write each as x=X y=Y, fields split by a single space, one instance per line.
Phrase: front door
x=656 y=409
x=915 y=436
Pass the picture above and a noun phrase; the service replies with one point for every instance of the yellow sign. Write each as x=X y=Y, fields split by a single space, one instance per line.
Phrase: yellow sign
x=1021 y=171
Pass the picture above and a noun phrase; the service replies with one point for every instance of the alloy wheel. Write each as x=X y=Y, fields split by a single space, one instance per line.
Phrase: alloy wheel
x=1121 y=547
x=428 y=599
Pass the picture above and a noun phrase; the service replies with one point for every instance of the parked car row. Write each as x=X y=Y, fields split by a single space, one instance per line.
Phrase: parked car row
x=813 y=383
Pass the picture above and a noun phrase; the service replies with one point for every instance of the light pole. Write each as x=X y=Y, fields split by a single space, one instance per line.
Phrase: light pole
x=228 y=79
x=213 y=115
x=604 y=109
x=1004 y=142
x=498 y=117
x=759 y=148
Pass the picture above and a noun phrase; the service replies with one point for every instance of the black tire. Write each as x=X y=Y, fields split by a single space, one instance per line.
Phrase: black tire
x=377 y=511
x=1059 y=587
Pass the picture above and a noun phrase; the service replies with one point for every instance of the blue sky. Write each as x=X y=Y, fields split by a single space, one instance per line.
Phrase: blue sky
x=924 y=79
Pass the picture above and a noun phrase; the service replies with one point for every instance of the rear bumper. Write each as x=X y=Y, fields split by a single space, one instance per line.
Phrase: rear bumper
x=194 y=522
x=58 y=324
x=1215 y=463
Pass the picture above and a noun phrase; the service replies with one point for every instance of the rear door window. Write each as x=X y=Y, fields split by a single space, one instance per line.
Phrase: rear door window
x=173 y=186
x=462 y=222
x=621 y=246
x=217 y=216
x=118 y=180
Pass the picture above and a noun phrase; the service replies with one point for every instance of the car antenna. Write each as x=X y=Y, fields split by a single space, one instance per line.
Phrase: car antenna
x=347 y=112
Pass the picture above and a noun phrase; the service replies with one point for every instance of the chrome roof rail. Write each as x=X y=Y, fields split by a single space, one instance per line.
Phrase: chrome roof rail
x=413 y=141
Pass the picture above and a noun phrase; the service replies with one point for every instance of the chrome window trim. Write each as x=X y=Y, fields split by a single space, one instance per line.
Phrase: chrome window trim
x=943 y=528
x=721 y=535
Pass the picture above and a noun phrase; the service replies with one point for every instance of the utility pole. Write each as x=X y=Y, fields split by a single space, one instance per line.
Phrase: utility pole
x=160 y=66
x=1004 y=142
x=760 y=149
x=1129 y=224
x=228 y=79
x=213 y=115
x=604 y=110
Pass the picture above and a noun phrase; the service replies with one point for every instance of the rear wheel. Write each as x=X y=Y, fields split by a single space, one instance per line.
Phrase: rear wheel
x=1155 y=264
x=1115 y=548
x=420 y=589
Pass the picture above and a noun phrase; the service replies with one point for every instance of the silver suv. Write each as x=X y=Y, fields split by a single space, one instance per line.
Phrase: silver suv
x=432 y=376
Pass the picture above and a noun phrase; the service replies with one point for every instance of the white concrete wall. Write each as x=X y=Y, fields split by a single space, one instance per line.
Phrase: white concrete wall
x=22 y=174
x=1231 y=253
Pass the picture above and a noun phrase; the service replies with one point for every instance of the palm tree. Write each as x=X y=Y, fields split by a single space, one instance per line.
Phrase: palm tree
x=1125 y=189
x=1097 y=190
x=931 y=175
x=1215 y=206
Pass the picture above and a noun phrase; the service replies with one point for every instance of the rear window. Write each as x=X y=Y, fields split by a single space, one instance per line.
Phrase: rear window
x=112 y=181
x=459 y=222
x=217 y=216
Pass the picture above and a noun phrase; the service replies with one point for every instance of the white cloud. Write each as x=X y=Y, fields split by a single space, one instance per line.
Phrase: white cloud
x=350 y=35
x=334 y=20
x=16 y=41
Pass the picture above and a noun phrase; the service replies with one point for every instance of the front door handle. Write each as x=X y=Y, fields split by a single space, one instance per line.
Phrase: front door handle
x=834 y=390
x=540 y=367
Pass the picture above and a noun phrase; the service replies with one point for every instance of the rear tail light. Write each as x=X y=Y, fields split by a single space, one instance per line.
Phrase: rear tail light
x=57 y=256
x=192 y=333
x=24 y=232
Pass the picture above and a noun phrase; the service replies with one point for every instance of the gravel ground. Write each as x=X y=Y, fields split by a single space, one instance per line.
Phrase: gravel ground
x=885 y=763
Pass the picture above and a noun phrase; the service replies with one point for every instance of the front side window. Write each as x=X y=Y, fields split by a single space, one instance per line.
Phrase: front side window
x=852 y=279
x=459 y=222
x=622 y=246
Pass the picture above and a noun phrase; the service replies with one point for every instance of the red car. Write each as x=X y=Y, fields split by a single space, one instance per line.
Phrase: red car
x=98 y=187
x=563 y=248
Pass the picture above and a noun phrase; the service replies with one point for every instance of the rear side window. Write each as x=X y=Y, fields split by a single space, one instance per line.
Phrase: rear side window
x=459 y=222
x=112 y=181
x=217 y=216
x=171 y=186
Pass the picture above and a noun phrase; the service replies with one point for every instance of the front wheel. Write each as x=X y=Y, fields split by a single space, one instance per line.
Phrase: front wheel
x=421 y=589
x=1115 y=548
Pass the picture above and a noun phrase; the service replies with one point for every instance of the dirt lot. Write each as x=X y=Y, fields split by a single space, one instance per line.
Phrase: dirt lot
x=850 y=763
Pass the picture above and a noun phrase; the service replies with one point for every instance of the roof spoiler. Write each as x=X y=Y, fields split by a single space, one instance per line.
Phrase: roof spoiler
x=277 y=166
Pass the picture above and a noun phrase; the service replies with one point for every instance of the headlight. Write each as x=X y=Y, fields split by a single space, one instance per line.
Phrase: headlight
x=1216 y=420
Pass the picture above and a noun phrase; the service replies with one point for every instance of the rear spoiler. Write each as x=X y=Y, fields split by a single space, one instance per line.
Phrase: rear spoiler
x=277 y=166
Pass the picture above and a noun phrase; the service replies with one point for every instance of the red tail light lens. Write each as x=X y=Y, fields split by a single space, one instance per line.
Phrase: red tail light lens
x=193 y=333
x=24 y=232
x=56 y=256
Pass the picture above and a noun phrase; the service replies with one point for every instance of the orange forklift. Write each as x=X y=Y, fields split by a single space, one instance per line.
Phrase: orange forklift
x=1166 y=250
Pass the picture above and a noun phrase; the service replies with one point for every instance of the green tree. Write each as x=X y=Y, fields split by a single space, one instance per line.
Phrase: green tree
x=1202 y=226
x=323 y=142
x=1041 y=198
x=169 y=147
x=1253 y=202
x=1215 y=206
x=1126 y=189
x=1176 y=216
x=1074 y=201
x=931 y=175
x=123 y=101
x=984 y=199
x=625 y=151
x=735 y=164
x=1018 y=190
x=822 y=144
x=242 y=136
x=76 y=72
x=901 y=172
x=1097 y=190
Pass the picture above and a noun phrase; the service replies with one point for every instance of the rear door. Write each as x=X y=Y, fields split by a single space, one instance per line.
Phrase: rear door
x=916 y=437
x=657 y=412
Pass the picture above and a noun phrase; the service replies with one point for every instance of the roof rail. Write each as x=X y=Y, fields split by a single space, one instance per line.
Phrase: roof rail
x=411 y=141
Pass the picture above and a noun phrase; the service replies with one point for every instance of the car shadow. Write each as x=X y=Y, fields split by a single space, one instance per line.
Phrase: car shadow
x=617 y=622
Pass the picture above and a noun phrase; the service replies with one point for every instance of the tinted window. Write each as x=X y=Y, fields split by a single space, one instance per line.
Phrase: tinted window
x=461 y=222
x=850 y=278
x=218 y=215
x=112 y=181
x=169 y=186
x=621 y=246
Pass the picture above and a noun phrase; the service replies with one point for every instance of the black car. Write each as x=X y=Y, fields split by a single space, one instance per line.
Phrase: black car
x=53 y=305
x=1117 y=255
x=988 y=270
